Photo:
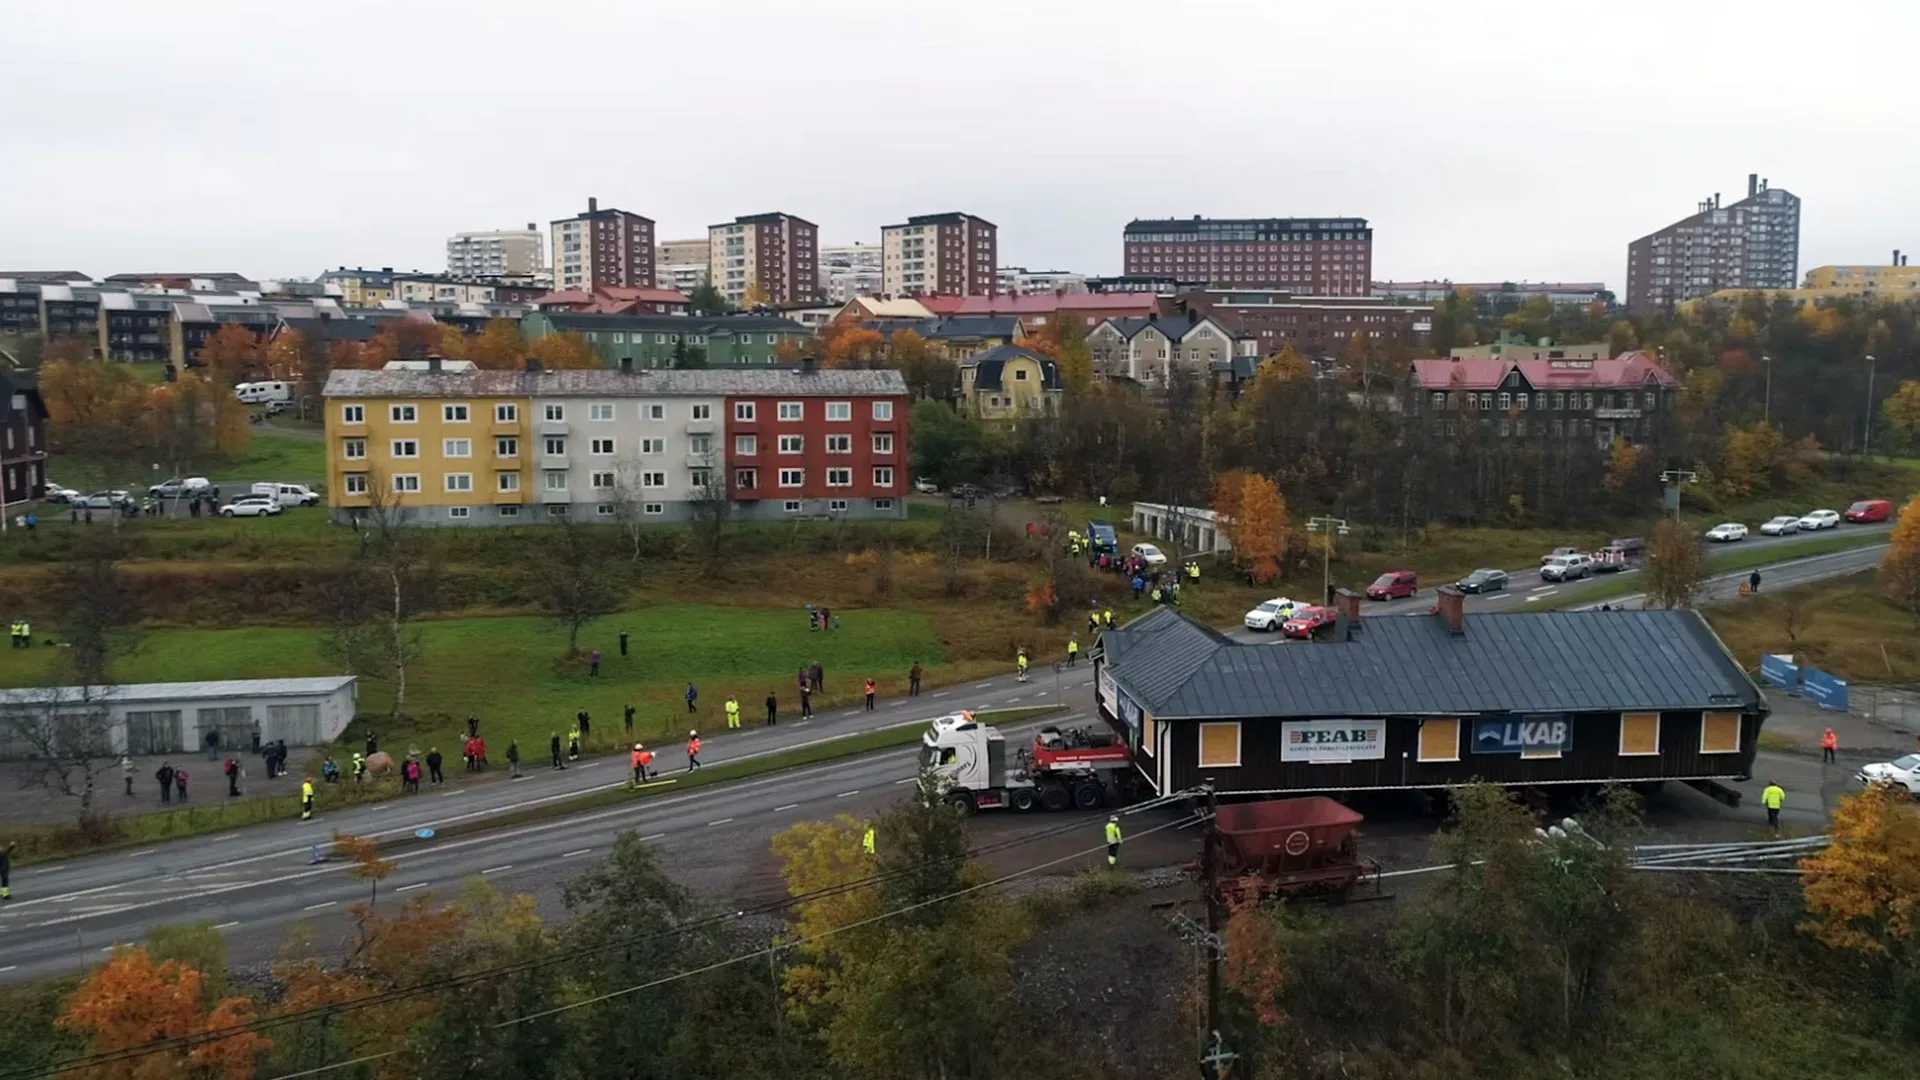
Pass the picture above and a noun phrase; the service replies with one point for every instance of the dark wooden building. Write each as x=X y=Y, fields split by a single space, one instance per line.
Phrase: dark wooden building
x=23 y=439
x=1576 y=697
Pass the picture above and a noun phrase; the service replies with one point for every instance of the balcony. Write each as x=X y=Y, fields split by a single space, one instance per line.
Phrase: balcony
x=554 y=462
x=700 y=427
x=509 y=498
x=553 y=427
x=506 y=427
x=700 y=461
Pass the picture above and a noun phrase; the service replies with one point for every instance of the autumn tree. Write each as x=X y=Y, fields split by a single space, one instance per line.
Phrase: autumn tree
x=1675 y=566
x=1900 y=413
x=1750 y=458
x=131 y=1002
x=1863 y=889
x=363 y=853
x=1064 y=341
x=851 y=345
x=499 y=347
x=1253 y=514
x=576 y=582
x=565 y=351
x=1900 y=567
x=926 y=369
x=1622 y=466
x=233 y=350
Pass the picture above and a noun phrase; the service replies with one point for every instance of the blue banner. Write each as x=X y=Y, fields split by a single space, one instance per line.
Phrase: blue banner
x=1540 y=734
x=1825 y=690
x=1779 y=670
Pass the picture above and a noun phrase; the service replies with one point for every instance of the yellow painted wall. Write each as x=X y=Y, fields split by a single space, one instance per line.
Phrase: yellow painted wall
x=430 y=430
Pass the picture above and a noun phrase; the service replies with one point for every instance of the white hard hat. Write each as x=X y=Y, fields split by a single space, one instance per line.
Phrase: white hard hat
x=636 y=746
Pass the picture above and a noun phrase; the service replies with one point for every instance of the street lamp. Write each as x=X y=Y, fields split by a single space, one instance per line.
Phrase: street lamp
x=1328 y=527
x=1766 y=408
x=1866 y=440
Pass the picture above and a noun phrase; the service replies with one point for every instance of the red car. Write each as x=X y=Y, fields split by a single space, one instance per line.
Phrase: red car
x=1305 y=621
x=1868 y=510
x=1394 y=585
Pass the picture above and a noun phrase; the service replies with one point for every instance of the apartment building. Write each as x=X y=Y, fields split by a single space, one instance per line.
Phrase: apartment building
x=501 y=253
x=950 y=254
x=1020 y=280
x=440 y=447
x=682 y=264
x=1310 y=256
x=765 y=259
x=1497 y=294
x=1314 y=326
x=850 y=270
x=1547 y=393
x=665 y=341
x=1149 y=350
x=23 y=451
x=1752 y=244
x=603 y=247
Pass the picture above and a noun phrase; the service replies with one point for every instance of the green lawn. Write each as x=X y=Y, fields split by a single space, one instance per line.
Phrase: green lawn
x=288 y=459
x=509 y=670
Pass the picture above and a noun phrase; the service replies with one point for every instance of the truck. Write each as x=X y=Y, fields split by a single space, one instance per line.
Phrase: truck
x=1060 y=770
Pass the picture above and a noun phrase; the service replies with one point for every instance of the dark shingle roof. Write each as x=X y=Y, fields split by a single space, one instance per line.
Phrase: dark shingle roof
x=602 y=382
x=973 y=326
x=988 y=366
x=1567 y=661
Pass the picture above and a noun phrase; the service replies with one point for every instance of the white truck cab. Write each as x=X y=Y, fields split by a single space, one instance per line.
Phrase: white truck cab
x=1060 y=769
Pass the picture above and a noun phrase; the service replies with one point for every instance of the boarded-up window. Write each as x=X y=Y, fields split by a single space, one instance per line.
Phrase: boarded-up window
x=1720 y=733
x=1149 y=735
x=1440 y=739
x=1639 y=734
x=1219 y=746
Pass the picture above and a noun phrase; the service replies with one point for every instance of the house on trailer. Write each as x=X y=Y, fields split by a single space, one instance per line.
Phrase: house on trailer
x=1553 y=698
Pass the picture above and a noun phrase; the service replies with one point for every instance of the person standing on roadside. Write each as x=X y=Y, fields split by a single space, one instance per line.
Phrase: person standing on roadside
x=1073 y=651
x=434 y=760
x=232 y=769
x=593 y=664
x=180 y=783
x=1774 y=797
x=164 y=774
x=817 y=675
x=773 y=709
x=639 y=769
x=629 y=717
x=733 y=710
x=693 y=697
x=1829 y=743
x=513 y=758
x=913 y=680
x=870 y=689
x=806 y=702
x=306 y=799
x=555 y=744
x=126 y=773
x=573 y=743
x=1753 y=582
x=6 y=871
x=693 y=750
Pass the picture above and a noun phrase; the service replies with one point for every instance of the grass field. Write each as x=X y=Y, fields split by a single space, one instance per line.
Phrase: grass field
x=271 y=455
x=1844 y=628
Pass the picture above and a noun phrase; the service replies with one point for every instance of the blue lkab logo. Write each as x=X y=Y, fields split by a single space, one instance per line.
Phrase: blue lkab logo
x=1525 y=734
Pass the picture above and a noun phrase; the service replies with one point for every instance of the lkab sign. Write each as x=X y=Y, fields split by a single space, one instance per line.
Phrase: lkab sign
x=1523 y=735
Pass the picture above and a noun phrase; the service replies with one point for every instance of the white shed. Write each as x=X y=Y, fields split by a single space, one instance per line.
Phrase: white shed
x=1194 y=529
x=173 y=718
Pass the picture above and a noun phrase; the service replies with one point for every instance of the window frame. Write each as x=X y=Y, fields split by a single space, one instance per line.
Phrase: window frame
x=447 y=448
x=883 y=442
x=883 y=411
x=459 y=513
x=348 y=446
x=506 y=446
x=353 y=414
x=799 y=478
x=594 y=446
x=1200 y=744
x=1625 y=717
x=799 y=412
x=447 y=483
x=394 y=451
x=601 y=480
x=507 y=483
x=845 y=444
x=398 y=489
x=743 y=412
x=553 y=412
x=412 y=414
x=844 y=477
x=746 y=446
x=506 y=412
x=593 y=412
x=1706 y=719
x=883 y=476
x=351 y=488
x=845 y=407
x=799 y=444
x=449 y=409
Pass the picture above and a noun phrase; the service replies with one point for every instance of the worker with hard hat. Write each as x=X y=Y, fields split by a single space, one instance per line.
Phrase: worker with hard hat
x=1113 y=840
x=306 y=799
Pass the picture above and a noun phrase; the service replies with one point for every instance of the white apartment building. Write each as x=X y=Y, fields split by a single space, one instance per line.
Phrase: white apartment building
x=593 y=453
x=496 y=254
x=1024 y=282
x=850 y=270
x=682 y=264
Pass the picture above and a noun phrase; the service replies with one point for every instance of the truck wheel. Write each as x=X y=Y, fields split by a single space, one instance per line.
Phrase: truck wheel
x=1089 y=796
x=962 y=802
x=1055 y=797
x=1025 y=800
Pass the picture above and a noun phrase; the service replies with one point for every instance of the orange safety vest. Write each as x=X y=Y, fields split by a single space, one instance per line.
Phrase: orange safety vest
x=637 y=759
x=1829 y=741
x=869 y=686
x=645 y=758
x=693 y=748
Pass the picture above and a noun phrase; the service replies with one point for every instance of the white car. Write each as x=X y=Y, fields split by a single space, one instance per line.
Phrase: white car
x=1727 y=532
x=1567 y=568
x=1784 y=525
x=1904 y=771
x=251 y=506
x=1270 y=615
x=58 y=493
x=1821 y=519
x=926 y=487
x=1150 y=554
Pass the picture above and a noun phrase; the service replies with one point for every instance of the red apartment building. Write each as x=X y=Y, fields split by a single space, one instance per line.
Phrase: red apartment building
x=765 y=259
x=812 y=442
x=23 y=451
x=1308 y=256
x=603 y=247
x=951 y=254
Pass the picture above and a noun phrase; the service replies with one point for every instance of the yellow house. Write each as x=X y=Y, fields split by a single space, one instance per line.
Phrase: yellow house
x=455 y=459
x=1010 y=382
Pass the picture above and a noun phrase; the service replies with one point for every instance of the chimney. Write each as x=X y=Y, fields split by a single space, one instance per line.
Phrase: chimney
x=1347 y=602
x=531 y=227
x=1716 y=200
x=1896 y=256
x=626 y=365
x=533 y=365
x=593 y=205
x=1452 y=606
x=1753 y=184
x=433 y=364
x=807 y=365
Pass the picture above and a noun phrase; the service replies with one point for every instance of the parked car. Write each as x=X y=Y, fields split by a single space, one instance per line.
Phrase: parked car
x=1304 y=621
x=1153 y=556
x=1394 y=585
x=1819 y=519
x=1483 y=581
x=1869 y=510
x=1559 y=552
x=101 y=500
x=1103 y=539
x=1727 y=532
x=1784 y=525
x=1270 y=615
x=288 y=494
x=926 y=487
x=1904 y=771
x=251 y=506
x=184 y=487
x=58 y=493
x=1567 y=568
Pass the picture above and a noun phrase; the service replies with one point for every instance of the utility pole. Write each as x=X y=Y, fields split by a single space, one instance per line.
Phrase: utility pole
x=1673 y=478
x=1866 y=440
x=1328 y=527
x=1214 y=1061
x=1766 y=408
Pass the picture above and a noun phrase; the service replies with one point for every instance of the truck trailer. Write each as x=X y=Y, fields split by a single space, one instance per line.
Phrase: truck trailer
x=1060 y=769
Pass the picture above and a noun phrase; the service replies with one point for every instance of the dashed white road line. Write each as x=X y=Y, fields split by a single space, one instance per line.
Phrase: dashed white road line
x=722 y=821
x=225 y=925
x=497 y=869
x=415 y=885
x=1011 y=700
x=907 y=780
x=236 y=836
x=844 y=794
x=137 y=854
x=943 y=693
x=321 y=904
x=655 y=836
x=784 y=809
x=9 y=967
x=1042 y=693
x=983 y=686
x=571 y=854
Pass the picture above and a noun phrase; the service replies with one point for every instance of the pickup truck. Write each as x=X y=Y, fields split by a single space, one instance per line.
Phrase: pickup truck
x=1567 y=567
x=184 y=487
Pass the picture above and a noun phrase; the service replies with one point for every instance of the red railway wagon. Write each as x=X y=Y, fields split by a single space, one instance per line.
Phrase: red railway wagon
x=1293 y=846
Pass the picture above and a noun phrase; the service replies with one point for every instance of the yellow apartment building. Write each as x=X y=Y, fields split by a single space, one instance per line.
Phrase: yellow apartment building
x=456 y=457
x=1010 y=382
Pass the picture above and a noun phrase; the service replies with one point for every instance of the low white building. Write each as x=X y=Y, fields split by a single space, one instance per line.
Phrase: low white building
x=175 y=718
x=1196 y=530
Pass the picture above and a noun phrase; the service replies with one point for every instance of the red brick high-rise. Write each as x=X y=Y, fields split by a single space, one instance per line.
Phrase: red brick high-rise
x=950 y=254
x=1308 y=256
x=603 y=247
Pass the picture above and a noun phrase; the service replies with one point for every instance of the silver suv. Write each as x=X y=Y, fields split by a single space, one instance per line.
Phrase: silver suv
x=1566 y=568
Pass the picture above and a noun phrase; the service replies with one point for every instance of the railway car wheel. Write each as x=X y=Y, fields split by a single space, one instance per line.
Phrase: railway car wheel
x=1055 y=797
x=1024 y=800
x=1089 y=796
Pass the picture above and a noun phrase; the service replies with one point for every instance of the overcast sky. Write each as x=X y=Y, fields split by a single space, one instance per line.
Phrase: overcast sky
x=1483 y=140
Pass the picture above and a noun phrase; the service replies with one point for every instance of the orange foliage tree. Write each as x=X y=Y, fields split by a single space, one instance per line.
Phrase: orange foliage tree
x=562 y=352
x=1863 y=890
x=132 y=1002
x=854 y=346
x=1253 y=514
x=1900 y=567
x=233 y=350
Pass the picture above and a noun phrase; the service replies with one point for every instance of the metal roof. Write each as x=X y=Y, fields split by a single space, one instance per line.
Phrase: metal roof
x=1565 y=661
x=601 y=382
x=136 y=693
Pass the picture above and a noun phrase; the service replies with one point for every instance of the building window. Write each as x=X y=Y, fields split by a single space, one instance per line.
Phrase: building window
x=746 y=479
x=700 y=479
x=405 y=448
x=791 y=506
x=353 y=414
x=600 y=410
x=558 y=510
x=507 y=511
x=604 y=509
x=882 y=410
x=403 y=414
x=653 y=446
x=1720 y=733
x=792 y=410
x=453 y=414
x=456 y=447
x=838 y=411
x=555 y=480
x=406 y=483
x=1506 y=401
x=1440 y=739
x=1520 y=399
x=839 y=444
x=353 y=449
x=1640 y=734
x=459 y=481
x=883 y=476
x=792 y=477
x=506 y=414
x=653 y=479
x=701 y=412
x=601 y=447
x=839 y=477
x=656 y=412
x=883 y=444
x=746 y=446
x=556 y=412
x=357 y=483
x=883 y=504
x=790 y=444
x=459 y=513
x=506 y=446
x=1220 y=746
x=508 y=481
x=836 y=506
x=601 y=480
x=743 y=411
x=653 y=509
x=556 y=446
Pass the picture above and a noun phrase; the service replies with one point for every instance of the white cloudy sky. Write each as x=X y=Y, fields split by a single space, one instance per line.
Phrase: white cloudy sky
x=1484 y=138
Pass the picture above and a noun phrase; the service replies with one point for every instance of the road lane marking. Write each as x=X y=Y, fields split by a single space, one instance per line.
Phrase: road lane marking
x=907 y=780
x=1042 y=693
x=497 y=869
x=943 y=693
x=455 y=791
x=9 y=967
x=983 y=686
x=844 y=794
x=1541 y=588
x=783 y=809
x=655 y=836
x=321 y=904
x=225 y=925
x=1541 y=596
x=1011 y=700
x=415 y=885
x=578 y=851
x=137 y=854
x=722 y=821
x=236 y=836
x=48 y=869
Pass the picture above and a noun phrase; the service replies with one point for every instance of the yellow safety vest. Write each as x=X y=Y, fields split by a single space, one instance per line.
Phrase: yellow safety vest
x=1113 y=832
x=866 y=842
x=1774 y=797
x=1073 y=647
x=306 y=789
x=733 y=707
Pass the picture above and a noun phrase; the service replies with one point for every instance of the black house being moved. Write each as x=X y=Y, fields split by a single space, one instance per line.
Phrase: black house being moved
x=1574 y=697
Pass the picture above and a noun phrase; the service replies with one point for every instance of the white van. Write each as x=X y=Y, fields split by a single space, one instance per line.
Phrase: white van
x=288 y=494
x=262 y=393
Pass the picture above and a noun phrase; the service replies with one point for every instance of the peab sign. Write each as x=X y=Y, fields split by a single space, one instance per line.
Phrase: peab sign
x=1533 y=734
x=1333 y=742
